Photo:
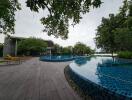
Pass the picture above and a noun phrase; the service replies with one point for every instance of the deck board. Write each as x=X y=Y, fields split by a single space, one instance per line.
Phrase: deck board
x=35 y=80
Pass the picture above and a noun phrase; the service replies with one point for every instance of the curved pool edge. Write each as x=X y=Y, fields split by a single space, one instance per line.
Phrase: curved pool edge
x=74 y=86
x=56 y=60
x=95 y=91
x=46 y=60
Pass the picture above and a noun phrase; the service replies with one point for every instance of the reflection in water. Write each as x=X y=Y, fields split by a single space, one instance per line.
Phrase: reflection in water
x=82 y=60
x=56 y=58
x=114 y=62
x=115 y=78
x=113 y=75
x=106 y=63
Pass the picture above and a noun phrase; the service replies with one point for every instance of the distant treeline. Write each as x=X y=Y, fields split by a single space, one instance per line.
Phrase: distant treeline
x=35 y=46
x=78 y=49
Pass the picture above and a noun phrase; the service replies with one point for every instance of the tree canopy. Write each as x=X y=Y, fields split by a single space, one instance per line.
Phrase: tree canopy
x=56 y=22
x=115 y=33
x=78 y=49
x=31 y=46
x=60 y=12
x=57 y=49
x=7 y=15
x=81 y=49
x=67 y=50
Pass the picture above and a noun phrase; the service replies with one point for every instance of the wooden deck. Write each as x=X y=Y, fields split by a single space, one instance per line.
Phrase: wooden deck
x=35 y=80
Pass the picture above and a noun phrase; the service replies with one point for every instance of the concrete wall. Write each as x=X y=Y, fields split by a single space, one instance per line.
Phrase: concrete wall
x=9 y=47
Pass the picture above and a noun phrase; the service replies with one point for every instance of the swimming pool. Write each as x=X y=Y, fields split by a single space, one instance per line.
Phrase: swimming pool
x=56 y=58
x=103 y=78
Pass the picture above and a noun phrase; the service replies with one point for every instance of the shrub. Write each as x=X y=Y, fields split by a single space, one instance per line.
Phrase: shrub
x=125 y=54
x=31 y=46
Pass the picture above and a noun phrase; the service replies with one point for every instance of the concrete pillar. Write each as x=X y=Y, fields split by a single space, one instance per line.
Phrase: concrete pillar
x=9 y=47
x=16 y=48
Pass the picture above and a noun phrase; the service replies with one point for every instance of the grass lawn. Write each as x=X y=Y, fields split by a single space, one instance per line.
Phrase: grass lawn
x=1 y=62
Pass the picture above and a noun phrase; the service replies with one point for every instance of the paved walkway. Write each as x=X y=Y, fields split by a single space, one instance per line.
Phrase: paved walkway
x=35 y=80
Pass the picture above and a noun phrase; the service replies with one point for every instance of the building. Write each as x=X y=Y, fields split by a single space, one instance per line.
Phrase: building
x=10 y=45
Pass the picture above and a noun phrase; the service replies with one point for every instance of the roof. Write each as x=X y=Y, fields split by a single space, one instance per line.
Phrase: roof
x=49 y=42
x=17 y=38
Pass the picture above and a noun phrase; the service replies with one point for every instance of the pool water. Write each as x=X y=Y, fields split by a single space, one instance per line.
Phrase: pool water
x=57 y=58
x=115 y=75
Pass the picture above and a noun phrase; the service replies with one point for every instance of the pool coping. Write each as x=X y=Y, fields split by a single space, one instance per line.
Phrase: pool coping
x=74 y=86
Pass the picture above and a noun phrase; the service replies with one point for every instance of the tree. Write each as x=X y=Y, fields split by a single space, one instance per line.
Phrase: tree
x=60 y=12
x=105 y=35
x=123 y=38
x=32 y=46
x=81 y=49
x=7 y=15
x=57 y=49
x=57 y=20
x=115 y=33
x=67 y=50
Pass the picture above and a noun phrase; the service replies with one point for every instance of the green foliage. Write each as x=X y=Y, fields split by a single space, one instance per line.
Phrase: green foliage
x=125 y=54
x=57 y=49
x=81 y=49
x=31 y=46
x=105 y=34
x=67 y=50
x=7 y=15
x=123 y=39
x=115 y=33
x=57 y=20
x=1 y=50
x=78 y=49
x=60 y=12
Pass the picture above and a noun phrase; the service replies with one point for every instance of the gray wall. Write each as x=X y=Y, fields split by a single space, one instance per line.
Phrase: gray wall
x=9 y=47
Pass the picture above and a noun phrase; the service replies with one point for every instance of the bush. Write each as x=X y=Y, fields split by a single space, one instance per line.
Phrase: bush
x=32 y=46
x=125 y=54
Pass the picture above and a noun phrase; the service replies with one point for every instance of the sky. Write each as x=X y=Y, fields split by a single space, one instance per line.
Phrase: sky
x=28 y=24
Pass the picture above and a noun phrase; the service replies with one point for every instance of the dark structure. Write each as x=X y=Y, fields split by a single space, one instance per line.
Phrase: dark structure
x=10 y=45
x=1 y=49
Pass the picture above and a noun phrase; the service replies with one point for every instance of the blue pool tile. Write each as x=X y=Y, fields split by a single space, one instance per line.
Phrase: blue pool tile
x=114 y=77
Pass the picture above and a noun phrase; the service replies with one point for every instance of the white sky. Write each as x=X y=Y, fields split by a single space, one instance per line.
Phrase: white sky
x=28 y=24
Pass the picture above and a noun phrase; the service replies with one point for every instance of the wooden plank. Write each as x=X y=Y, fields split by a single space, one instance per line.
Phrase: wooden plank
x=35 y=80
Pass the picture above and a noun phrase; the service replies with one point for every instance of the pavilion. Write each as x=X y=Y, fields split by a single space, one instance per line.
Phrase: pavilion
x=10 y=45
